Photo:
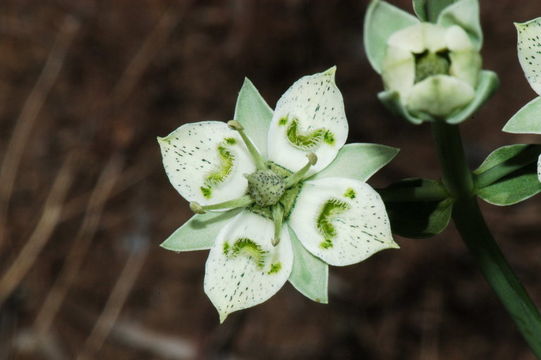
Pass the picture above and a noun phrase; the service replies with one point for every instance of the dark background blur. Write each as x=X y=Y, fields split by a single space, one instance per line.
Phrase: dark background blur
x=85 y=88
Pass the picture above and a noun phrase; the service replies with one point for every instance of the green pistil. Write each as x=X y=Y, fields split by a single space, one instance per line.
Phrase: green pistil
x=308 y=140
x=429 y=64
x=331 y=209
x=266 y=187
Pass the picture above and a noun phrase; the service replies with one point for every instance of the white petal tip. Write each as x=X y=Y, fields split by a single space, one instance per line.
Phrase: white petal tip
x=394 y=245
x=331 y=72
x=223 y=316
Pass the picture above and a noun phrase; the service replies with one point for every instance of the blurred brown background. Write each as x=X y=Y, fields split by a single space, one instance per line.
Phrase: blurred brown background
x=85 y=88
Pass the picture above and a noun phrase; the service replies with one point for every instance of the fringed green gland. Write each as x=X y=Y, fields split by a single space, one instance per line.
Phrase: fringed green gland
x=330 y=210
x=224 y=169
x=307 y=140
x=429 y=64
x=254 y=252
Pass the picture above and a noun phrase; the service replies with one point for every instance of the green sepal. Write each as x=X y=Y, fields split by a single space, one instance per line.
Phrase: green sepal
x=391 y=100
x=358 y=161
x=464 y=13
x=428 y=10
x=527 y=120
x=309 y=274
x=380 y=22
x=253 y=113
x=509 y=175
x=417 y=218
x=487 y=85
x=199 y=232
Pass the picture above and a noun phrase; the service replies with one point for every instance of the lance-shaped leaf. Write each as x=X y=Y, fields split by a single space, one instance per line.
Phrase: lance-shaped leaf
x=509 y=175
x=199 y=232
x=528 y=47
x=253 y=113
x=358 y=161
x=206 y=162
x=309 y=275
x=380 y=22
x=527 y=120
x=464 y=13
x=309 y=117
x=244 y=268
x=341 y=221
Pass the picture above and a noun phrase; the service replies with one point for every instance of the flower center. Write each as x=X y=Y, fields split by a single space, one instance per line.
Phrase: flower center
x=266 y=187
x=429 y=64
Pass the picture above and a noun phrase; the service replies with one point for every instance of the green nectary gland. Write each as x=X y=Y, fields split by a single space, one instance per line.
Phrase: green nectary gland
x=429 y=64
x=309 y=140
x=225 y=168
x=246 y=247
x=331 y=208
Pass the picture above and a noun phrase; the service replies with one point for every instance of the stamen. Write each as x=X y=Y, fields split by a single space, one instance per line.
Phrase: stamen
x=277 y=217
x=299 y=175
x=259 y=160
x=242 y=201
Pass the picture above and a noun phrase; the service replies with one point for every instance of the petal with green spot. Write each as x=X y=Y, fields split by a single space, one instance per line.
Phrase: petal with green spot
x=206 y=162
x=341 y=221
x=244 y=269
x=309 y=117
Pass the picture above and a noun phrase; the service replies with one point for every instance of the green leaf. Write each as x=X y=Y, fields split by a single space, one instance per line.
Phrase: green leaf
x=254 y=115
x=380 y=22
x=464 y=13
x=199 y=232
x=527 y=120
x=417 y=219
x=509 y=175
x=358 y=161
x=428 y=10
x=391 y=100
x=488 y=83
x=518 y=186
x=309 y=274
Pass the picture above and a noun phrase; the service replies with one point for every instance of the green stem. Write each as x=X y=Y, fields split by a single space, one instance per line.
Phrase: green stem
x=477 y=237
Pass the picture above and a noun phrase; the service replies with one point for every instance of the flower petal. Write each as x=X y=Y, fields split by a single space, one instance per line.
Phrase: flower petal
x=309 y=275
x=539 y=168
x=341 y=221
x=528 y=51
x=466 y=66
x=418 y=38
x=464 y=13
x=398 y=70
x=439 y=95
x=205 y=162
x=199 y=232
x=243 y=268
x=358 y=161
x=253 y=113
x=309 y=117
x=380 y=22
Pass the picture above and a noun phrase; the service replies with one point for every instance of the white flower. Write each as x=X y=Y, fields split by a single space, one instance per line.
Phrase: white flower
x=434 y=69
x=282 y=194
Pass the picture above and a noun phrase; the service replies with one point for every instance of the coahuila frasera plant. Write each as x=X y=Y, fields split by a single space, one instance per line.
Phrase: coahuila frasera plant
x=284 y=196
x=279 y=197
